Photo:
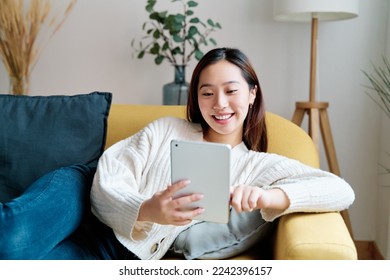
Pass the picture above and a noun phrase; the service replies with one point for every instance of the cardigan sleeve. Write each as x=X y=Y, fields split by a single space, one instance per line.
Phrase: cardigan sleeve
x=308 y=189
x=115 y=195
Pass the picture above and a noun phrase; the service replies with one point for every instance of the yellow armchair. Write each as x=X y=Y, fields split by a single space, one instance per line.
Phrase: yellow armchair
x=298 y=236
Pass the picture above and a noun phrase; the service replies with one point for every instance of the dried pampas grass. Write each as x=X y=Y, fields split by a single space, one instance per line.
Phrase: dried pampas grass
x=20 y=28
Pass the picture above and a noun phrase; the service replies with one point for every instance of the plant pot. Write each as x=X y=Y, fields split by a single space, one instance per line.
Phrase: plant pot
x=176 y=92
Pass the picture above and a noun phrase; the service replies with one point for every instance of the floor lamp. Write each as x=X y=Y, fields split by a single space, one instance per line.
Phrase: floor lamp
x=314 y=11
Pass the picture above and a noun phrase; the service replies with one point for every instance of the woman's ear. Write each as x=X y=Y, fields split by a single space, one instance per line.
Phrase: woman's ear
x=252 y=96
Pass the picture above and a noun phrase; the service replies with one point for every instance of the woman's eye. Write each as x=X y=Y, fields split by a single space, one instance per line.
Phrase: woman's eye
x=207 y=94
x=232 y=91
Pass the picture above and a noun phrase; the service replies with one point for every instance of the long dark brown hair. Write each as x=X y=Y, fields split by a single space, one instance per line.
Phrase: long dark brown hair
x=255 y=131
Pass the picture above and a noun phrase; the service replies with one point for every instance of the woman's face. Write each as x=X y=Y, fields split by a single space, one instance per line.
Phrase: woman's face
x=224 y=97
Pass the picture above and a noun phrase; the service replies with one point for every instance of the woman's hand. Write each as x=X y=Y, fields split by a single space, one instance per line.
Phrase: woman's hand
x=249 y=198
x=163 y=208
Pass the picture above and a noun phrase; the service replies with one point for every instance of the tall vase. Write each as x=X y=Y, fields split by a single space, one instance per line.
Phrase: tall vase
x=176 y=93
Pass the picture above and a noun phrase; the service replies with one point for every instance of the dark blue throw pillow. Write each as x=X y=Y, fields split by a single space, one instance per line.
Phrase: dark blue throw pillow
x=41 y=133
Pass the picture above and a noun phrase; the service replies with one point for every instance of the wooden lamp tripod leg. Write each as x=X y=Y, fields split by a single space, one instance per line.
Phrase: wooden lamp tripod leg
x=298 y=116
x=327 y=138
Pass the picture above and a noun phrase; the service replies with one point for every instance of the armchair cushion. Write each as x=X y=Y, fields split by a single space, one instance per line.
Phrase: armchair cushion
x=41 y=133
x=313 y=236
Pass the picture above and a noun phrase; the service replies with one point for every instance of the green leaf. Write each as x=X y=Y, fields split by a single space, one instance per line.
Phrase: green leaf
x=176 y=51
x=211 y=22
x=159 y=59
x=177 y=38
x=179 y=18
x=189 y=13
x=217 y=25
x=141 y=54
x=192 y=31
x=192 y=4
x=156 y=34
x=155 y=49
x=198 y=54
x=165 y=46
x=162 y=15
x=150 y=5
x=212 y=41
x=195 y=20
x=154 y=16
x=158 y=16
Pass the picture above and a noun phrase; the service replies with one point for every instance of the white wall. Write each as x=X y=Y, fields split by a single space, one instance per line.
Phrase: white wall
x=92 y=52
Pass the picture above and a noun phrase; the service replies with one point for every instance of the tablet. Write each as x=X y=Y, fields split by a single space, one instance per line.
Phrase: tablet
x=207 y=166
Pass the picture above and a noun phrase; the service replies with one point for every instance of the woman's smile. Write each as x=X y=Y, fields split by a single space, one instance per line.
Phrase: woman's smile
x=222 y=118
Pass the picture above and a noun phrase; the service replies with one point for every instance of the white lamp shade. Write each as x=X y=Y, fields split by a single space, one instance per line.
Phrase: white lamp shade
x=305 y=10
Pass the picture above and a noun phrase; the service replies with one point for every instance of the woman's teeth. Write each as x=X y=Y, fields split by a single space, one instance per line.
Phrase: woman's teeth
x=223 y=117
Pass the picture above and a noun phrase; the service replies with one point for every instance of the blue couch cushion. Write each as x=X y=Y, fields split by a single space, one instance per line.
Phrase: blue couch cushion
x=41 y=133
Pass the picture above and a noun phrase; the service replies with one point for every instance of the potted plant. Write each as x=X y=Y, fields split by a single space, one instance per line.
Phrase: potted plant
x=176 y=38
x=379 y=91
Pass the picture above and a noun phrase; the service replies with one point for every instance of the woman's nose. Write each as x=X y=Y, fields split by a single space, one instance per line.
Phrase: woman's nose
x=221 y=102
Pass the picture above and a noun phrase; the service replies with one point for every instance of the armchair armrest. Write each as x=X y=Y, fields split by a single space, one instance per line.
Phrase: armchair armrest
x=313 y=236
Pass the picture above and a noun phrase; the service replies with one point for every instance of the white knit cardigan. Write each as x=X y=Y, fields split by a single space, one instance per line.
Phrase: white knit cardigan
x=134 y=169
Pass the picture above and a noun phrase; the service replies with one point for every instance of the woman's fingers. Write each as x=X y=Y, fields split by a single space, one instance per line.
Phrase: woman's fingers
x=183 y=201
x=245 y=198
x=176 y=210
x=171 y=190
x=180 y=201
x=236 y=199
x=183 y=217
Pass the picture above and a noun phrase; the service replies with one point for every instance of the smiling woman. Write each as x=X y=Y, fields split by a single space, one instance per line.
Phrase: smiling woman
x=133 y=196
